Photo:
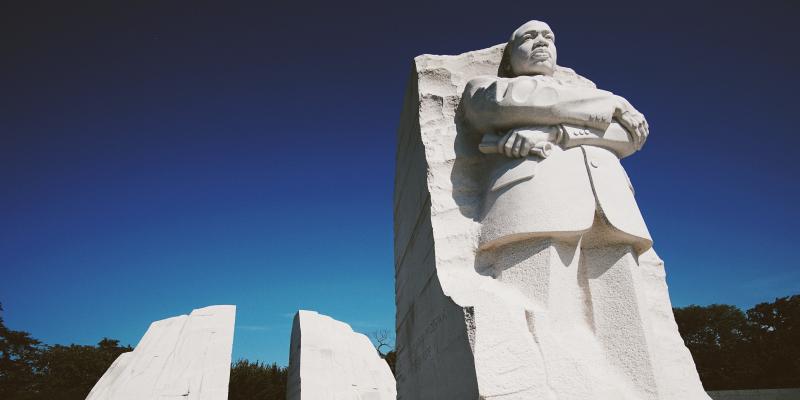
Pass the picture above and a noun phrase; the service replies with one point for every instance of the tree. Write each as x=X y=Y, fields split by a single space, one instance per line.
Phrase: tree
x=30 y=370
x=758 y=349
x=775 y=342
x=257 y=381
x=382 y=338
x=18 y=355
x=715 y=335
x=70 y=372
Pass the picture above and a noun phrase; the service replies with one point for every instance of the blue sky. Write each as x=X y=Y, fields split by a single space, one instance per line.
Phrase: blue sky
x=160 y=157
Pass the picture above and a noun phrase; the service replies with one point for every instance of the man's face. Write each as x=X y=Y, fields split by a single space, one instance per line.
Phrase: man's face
x=534 y=50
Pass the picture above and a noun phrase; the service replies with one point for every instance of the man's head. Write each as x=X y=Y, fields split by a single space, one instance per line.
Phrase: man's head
x=532 y=50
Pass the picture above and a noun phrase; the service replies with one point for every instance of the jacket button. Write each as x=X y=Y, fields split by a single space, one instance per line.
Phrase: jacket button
x=594 y=164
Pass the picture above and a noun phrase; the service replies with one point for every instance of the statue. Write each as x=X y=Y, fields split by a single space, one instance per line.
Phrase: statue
x=558 y=187
x=566 y=298
x=546 y=121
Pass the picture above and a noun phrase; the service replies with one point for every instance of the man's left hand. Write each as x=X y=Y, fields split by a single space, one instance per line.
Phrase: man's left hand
x=633 y=121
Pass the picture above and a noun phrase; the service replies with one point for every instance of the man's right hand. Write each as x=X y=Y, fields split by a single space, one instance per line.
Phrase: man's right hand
x=518 y=142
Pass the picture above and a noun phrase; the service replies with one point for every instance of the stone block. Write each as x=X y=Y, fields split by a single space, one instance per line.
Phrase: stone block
x=328 y=361
x=186 y=357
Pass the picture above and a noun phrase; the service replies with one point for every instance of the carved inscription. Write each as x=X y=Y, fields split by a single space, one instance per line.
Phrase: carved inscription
x=422 y=348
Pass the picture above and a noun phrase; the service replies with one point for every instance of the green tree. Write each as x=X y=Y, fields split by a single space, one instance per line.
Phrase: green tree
x=775 y=342
x=30 y=370
x=759 y=349
x=70 y=372
x=716 y=337
x=18 y=355
x=257 y=381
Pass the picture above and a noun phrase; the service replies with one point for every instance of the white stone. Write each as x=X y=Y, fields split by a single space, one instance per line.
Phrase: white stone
x=328 y=361
x=186 y=357
x=524 y=269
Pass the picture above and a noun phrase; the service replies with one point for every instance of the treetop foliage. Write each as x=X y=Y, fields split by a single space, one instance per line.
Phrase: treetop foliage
x=257 y=381
x=30 y=370
x=757 y=349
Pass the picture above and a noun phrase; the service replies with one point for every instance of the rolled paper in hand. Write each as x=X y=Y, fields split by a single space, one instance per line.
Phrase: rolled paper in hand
x=488 y=145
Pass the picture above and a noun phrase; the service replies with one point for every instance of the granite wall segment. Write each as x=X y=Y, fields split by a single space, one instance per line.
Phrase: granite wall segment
x=328 y=361
x=186 y=357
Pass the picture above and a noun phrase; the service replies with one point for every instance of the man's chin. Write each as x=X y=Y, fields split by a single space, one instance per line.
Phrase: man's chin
x=541 y=68
x=540 y=57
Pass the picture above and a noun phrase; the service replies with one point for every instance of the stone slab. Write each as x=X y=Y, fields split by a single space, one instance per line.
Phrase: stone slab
x=187 y=357
x=328 y=361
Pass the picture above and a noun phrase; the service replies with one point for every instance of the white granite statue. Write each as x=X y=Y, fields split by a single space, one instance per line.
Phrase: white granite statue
x=328 y=361
x=184 y=357
x=519 y=241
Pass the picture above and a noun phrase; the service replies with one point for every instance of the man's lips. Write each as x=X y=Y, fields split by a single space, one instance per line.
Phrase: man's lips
x=541 y=48
x=540 y=52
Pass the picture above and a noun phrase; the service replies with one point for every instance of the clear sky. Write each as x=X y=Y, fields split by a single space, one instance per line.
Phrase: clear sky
x=166 y=155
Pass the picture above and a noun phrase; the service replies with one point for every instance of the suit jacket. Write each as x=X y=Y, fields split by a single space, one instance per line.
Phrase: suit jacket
x=557 y=196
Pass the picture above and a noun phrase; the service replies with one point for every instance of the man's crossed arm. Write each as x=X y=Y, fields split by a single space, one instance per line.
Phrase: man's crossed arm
x=500 y=106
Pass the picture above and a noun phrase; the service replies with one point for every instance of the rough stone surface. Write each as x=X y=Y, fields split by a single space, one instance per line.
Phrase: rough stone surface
x=528 y=322
x=186 y=357
x=328 y=361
